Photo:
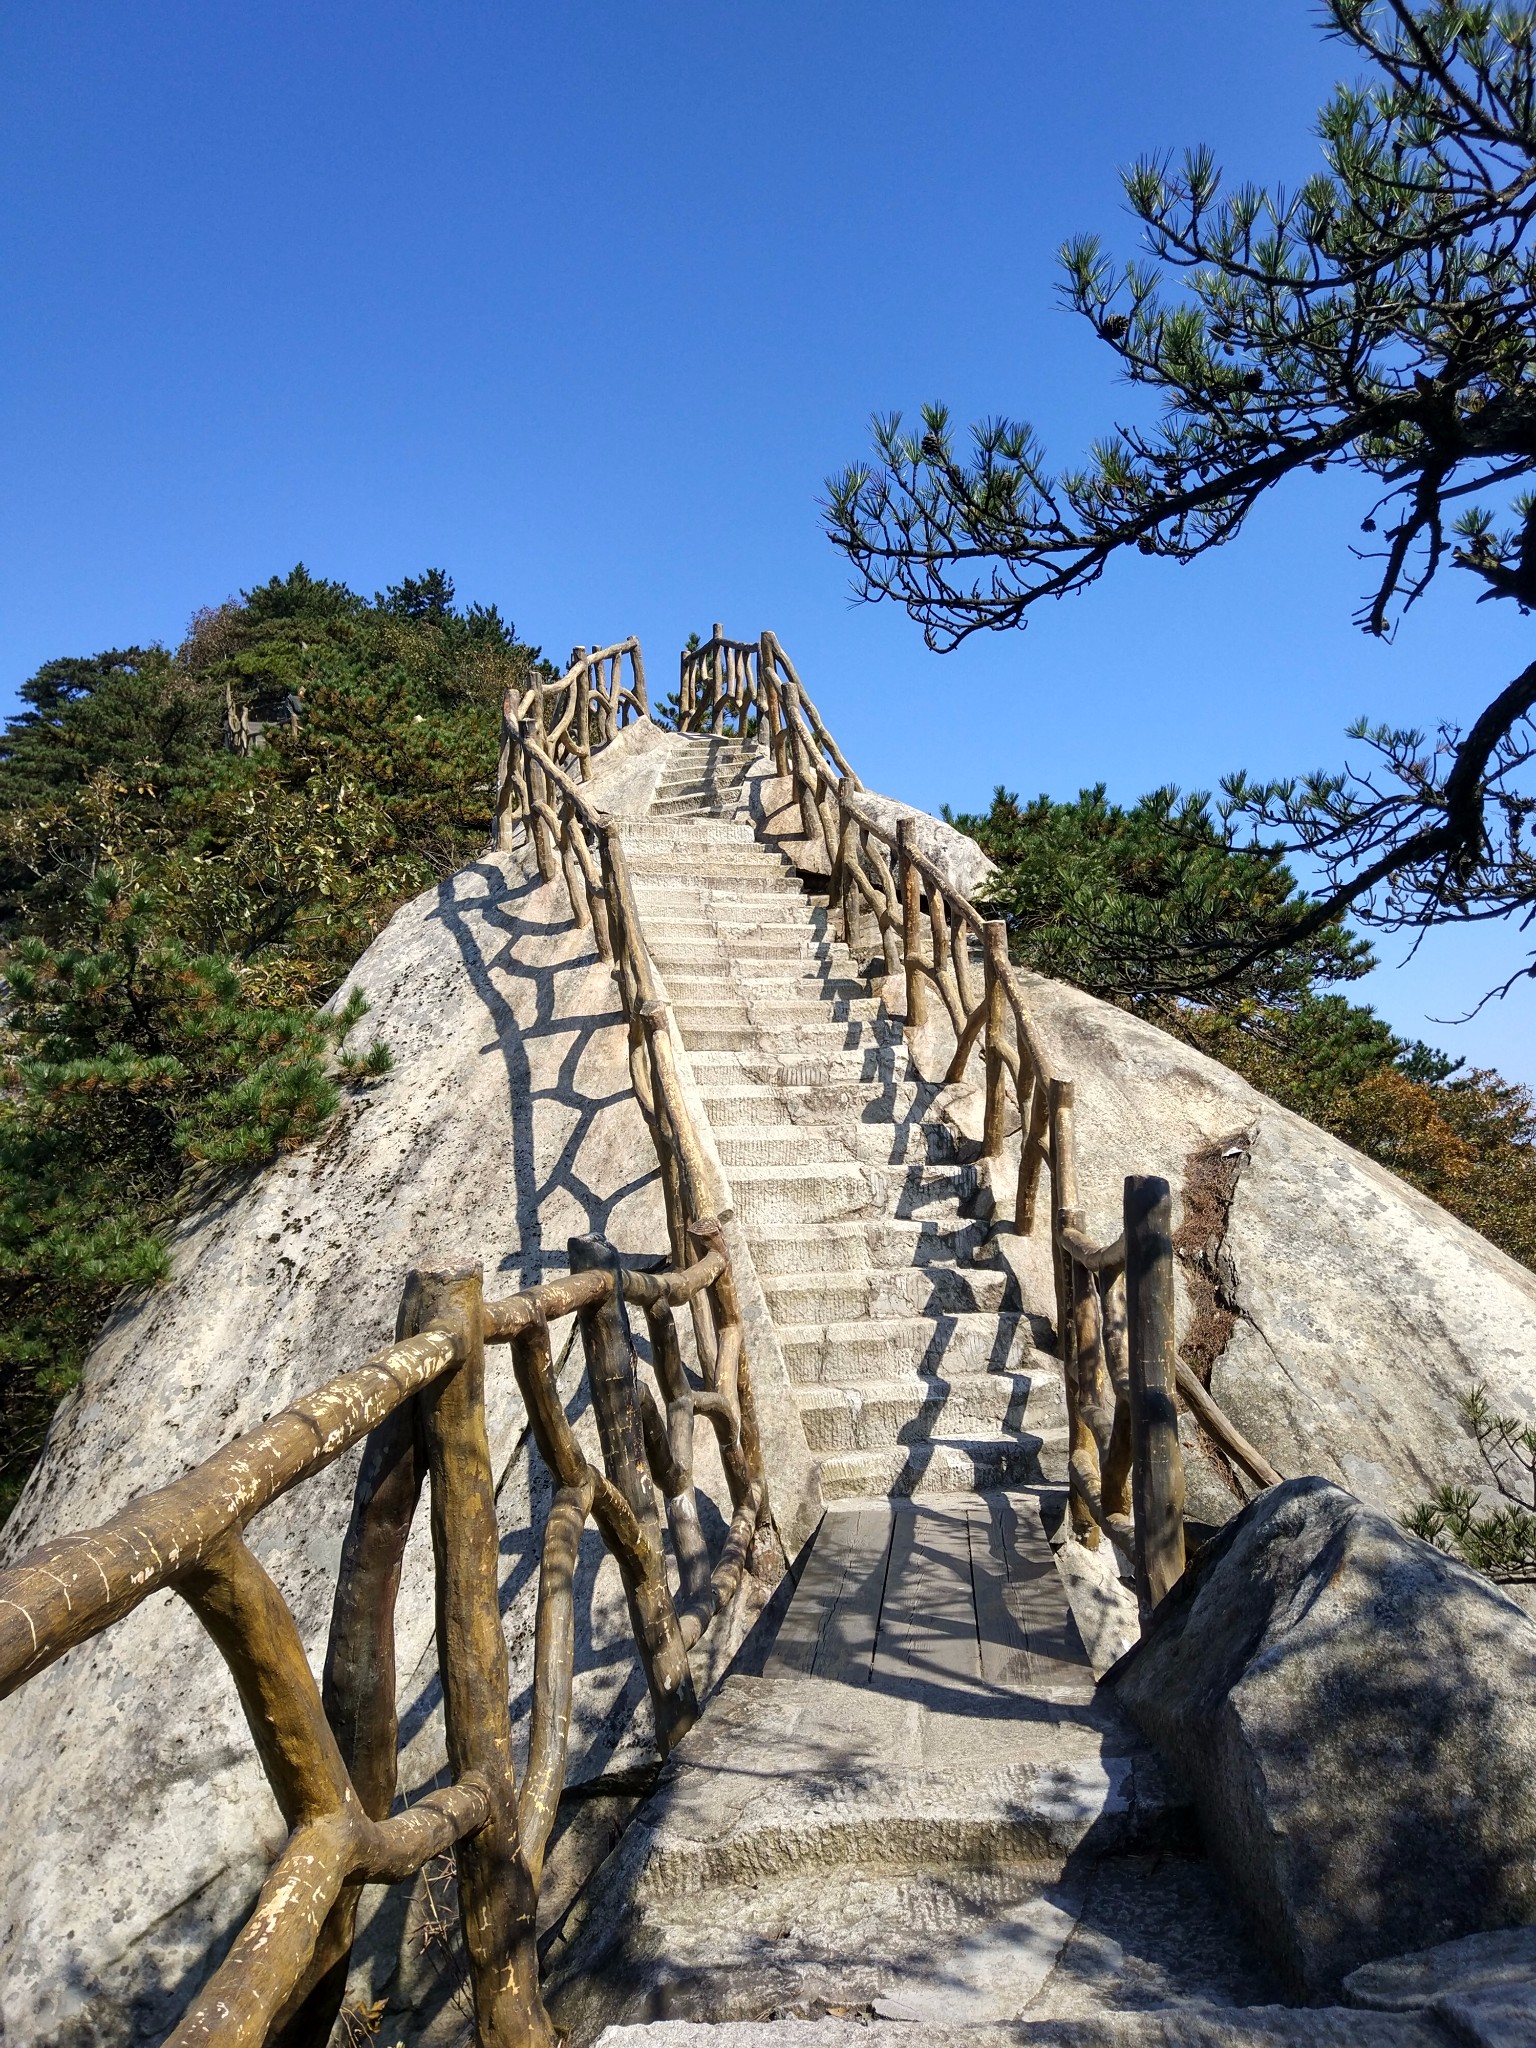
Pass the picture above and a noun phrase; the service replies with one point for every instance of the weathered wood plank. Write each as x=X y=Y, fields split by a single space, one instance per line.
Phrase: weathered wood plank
x=848 y=1641
x=928 y=1624
x=850 y=1545
x=1036 y=1598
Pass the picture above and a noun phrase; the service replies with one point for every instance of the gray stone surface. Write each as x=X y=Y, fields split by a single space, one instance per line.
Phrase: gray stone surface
x=1354 y=1716
x=822 y=1839
x=1249 y=2027
x=1481 y=1988
x=1476 y=1962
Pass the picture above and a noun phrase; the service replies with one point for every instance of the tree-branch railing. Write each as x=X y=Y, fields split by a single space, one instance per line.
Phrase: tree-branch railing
x=329 y=1750
x=573 y=718
x=1125 y=1466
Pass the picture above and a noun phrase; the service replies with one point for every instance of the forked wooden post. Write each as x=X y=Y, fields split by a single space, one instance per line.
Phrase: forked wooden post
x=1157 y=1475
x=496 y=1893
x=994 y=942
x=531 y=734
x=911 y=924
x=616 y=1406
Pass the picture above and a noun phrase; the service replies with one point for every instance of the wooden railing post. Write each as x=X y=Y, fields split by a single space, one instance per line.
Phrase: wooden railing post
x=538 y=797
x=768 y=685
x=616 y=1406
x=911 y=924
x=994 y=963
x=1083 y=1452
x=583 y=718
x=717 y=677
x=496 y=1892
x=1157 y=1478
x=637 y=670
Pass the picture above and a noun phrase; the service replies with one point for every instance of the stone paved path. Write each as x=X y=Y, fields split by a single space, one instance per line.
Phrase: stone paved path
x=907 y=1802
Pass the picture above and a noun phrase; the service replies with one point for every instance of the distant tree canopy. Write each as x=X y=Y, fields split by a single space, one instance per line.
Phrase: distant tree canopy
x=1380 y=320
x=172 y=912
x=1129 y=904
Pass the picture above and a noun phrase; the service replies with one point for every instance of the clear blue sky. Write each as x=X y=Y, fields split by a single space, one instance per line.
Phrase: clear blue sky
x=582 y=302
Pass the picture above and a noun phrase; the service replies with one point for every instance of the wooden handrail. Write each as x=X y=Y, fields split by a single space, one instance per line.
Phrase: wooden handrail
x=419 y=1406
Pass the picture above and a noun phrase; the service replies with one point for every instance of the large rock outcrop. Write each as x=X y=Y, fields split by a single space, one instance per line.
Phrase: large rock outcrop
x=1354 y=1716
x=137 y=1823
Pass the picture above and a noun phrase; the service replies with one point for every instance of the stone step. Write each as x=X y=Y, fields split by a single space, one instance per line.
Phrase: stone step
x=915 y=1408
x=886 y=1064
x=822 y=1295
x=874 y=1245
x=728 y=1026
x=770 y=1196
x=770 y=894
x=686 y=835
x=881 y=1144
x=884 y=1347
x=727 y=861
x=891 y=1977
x=758 y=984
x=808 y=1192
x=697 y=801
x=974 y=1463
x=804 y=1014
x=788 y=938
x=832 y=1846
x=765 y=1102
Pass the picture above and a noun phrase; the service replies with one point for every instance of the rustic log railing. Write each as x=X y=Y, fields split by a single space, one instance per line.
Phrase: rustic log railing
x=1119 y=1362
x=572 y=719
x=329 y=1750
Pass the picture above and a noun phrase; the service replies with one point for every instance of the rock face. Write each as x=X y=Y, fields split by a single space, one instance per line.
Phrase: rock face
x=137 y=1823
x=1337 y=1314
x=1352 y=1714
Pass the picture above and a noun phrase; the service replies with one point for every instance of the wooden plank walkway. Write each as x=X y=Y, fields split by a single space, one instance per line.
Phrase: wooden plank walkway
x=954 y=1599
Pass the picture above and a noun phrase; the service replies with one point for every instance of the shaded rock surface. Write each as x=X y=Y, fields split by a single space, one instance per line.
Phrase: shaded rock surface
x=1250 y=2027
x=1354 y=1716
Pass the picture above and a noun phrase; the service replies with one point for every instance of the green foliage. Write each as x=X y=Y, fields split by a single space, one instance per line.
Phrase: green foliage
x=172 y=912
x=1153 y=908
x=1153 y=901
x=1498 y=1537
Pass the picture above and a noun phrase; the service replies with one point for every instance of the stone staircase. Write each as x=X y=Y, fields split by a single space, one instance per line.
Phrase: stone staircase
x=907 y=1806
x=916 y=1366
